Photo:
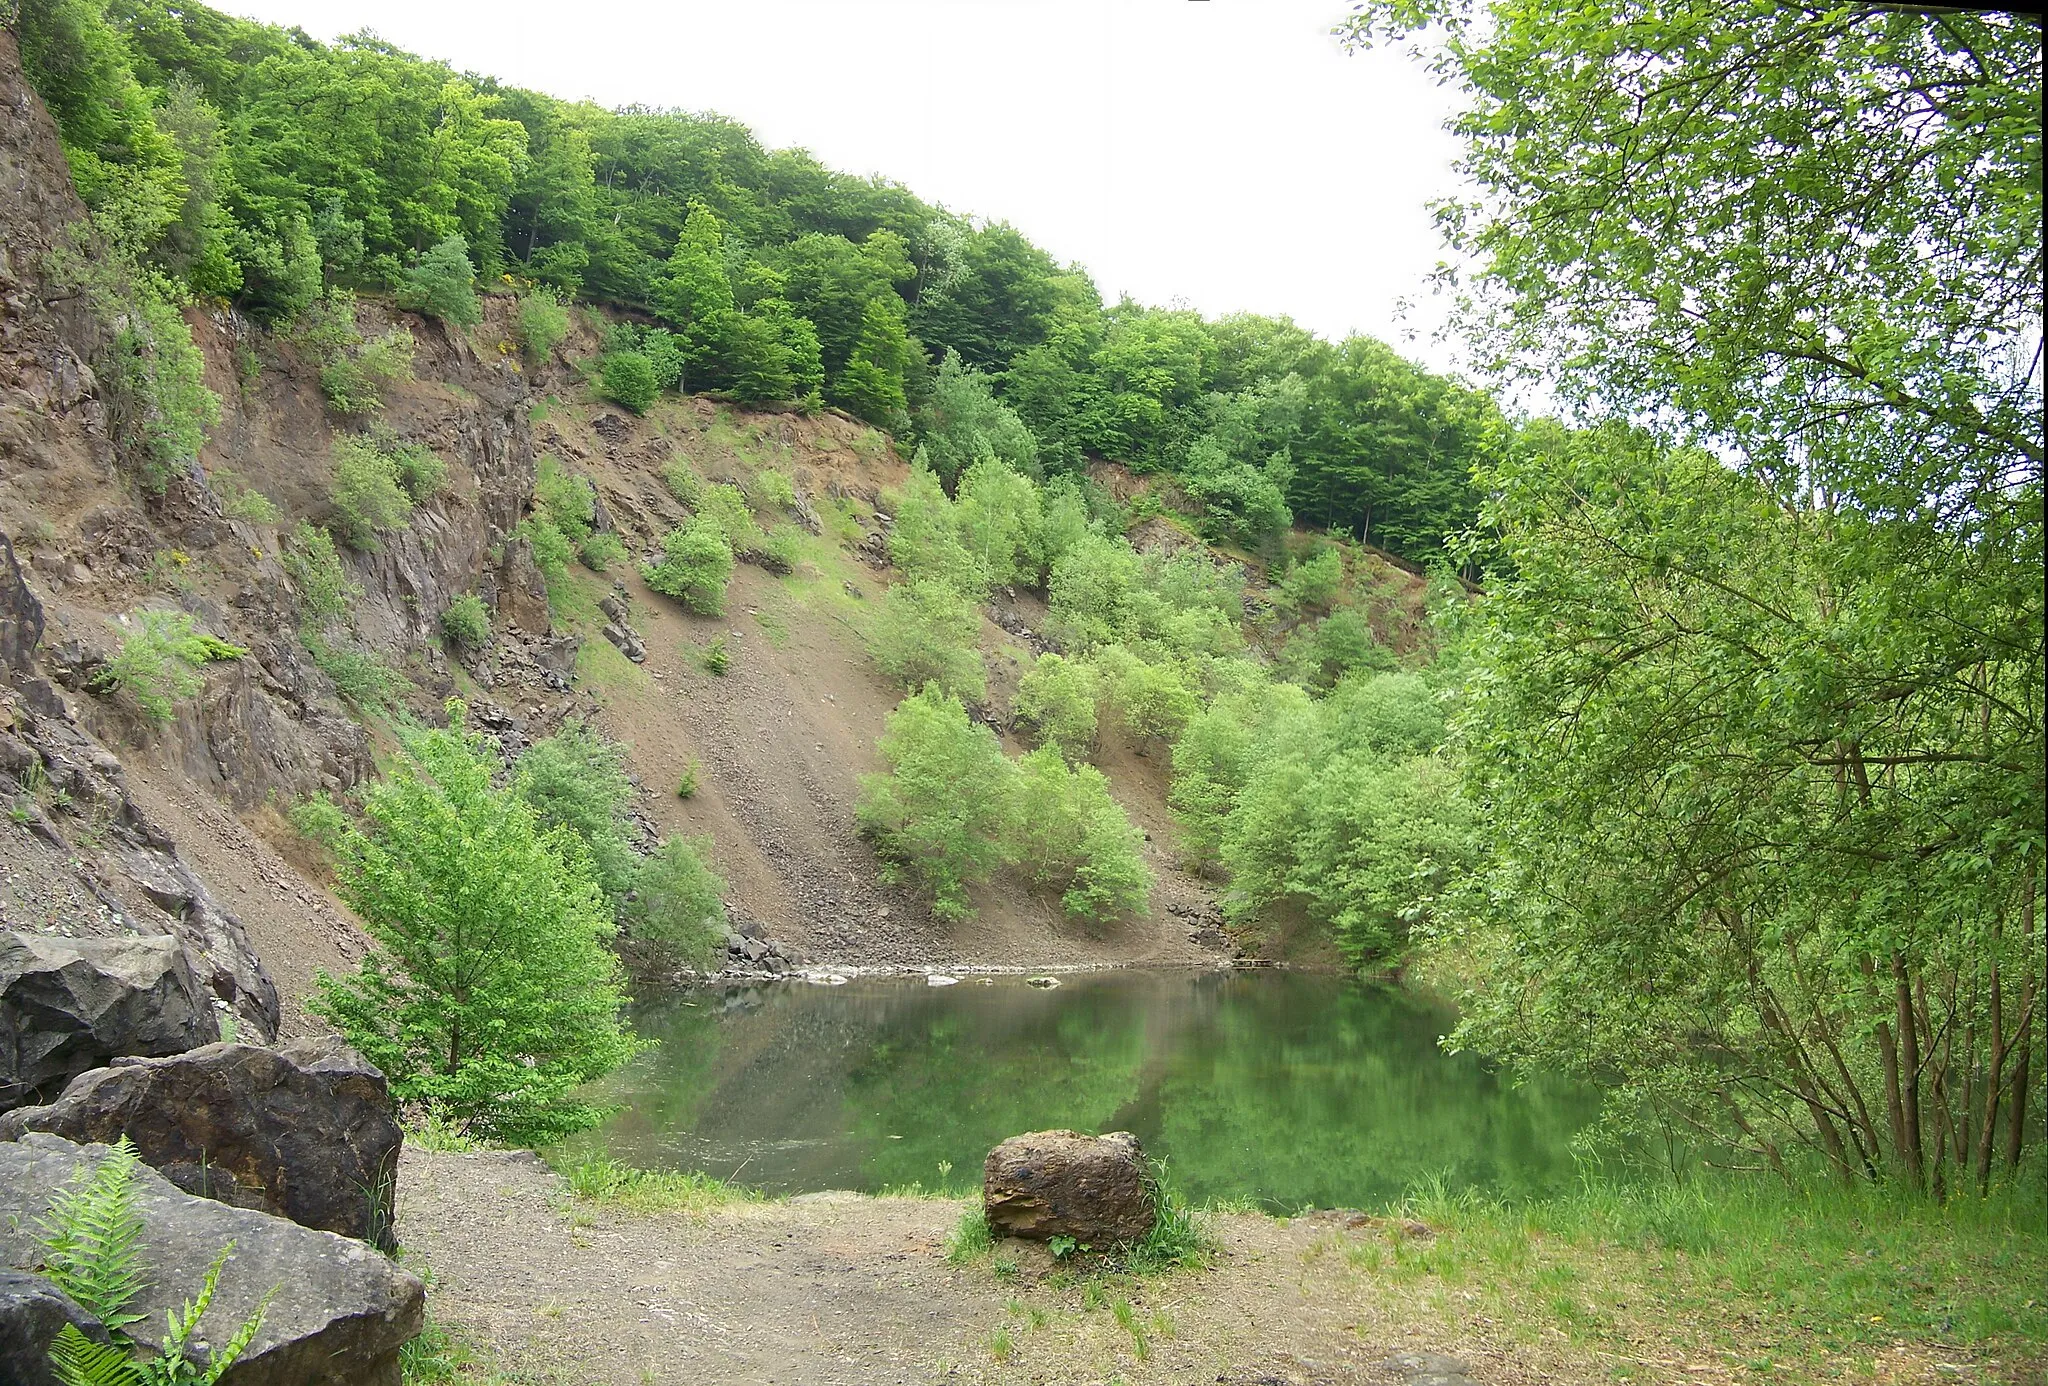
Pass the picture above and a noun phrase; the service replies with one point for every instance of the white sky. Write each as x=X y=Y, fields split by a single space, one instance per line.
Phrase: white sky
x=1224 y=153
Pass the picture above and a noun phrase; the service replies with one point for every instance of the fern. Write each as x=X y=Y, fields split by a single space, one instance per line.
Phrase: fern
x=91 y=1245
x=92 y=1239
x=79 y=1361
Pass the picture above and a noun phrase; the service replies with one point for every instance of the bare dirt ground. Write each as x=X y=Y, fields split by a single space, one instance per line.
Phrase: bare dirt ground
x=847 y=1290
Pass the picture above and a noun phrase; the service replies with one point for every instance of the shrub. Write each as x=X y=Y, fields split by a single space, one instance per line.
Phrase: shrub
x=159 y=660
x=162 y=375
x=1339 y=644
x=239 y=502
x=1057 y=696
x=925 y=632
x=627 y=379
x=577 y=779
x=1069 y=834
x=1313 y=583
x=368 y=499
x=358 y=676
x=600 y=550
x=921 y=816
x=675 y=916
x=443 y=282
x=686 y=784
x=466 y=621
x=1090 y=592
x=717 y=659
x=568 y=501
x=926 y=543
x=310 y=560
x=998 y=515
x=725 y=506
x=1151 y=701
x=420 y=474
x=353 y=372
x=775 y=491
x=488 y=993
x=696 y=564
x=551 y=551
x=664 y=357
x=542 y=322
x=779 y=551
x=683 y=483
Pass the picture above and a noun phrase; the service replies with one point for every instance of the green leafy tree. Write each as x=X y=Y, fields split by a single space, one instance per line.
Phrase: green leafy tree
x=1057 y=696
x=1000 y=522
x=675 y=916
x=576 y=779
x=627 y=379
x=871 y=386
x=542 y=322
x=1769 y=818
x=368 y=499
x=926 y=542
x=1067 y=833
x=1313 y=583
x=696 y=564
x=964 y=423
x=924 y=632
x=443 y=283
x=488 y=992
x=917 y=816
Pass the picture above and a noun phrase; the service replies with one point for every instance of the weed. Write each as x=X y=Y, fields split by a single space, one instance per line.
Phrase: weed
x=157 y=666
x=970 y=1241
x=686 y=788
x=1001 y=1345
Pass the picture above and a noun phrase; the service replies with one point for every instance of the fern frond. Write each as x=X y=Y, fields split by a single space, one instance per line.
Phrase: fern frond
x=79 y=1361
x=92 y=1239
x=232 y=1350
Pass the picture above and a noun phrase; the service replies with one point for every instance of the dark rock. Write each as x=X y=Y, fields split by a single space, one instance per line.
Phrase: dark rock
x=629 y=644
x=21 y=615
x=1063 y=1184
x=32 y=1310
x=613 y=605
x=304 y=1131
x=341 y=1311
x=71 y=1004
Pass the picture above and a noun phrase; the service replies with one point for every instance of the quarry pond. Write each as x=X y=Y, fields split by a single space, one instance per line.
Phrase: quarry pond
x=1286 y=1089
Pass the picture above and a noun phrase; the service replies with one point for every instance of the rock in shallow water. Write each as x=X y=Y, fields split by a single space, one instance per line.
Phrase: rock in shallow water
x=305 y=1131
x=1063 y=1184
x=341 y=1311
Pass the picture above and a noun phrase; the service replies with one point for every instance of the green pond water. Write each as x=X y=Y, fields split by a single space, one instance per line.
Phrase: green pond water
x=1289 y=1088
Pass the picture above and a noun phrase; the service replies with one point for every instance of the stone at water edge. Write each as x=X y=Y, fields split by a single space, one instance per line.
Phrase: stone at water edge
x=305 y=1131
x=71 y=1004
x=341 y=1312
x=1050 y=1184
x=32 y=1310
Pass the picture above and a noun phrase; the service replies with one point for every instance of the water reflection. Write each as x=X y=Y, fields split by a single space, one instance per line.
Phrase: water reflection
x=1289 y=1088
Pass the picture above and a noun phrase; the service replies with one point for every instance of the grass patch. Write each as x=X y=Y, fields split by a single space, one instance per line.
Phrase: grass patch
x=600 y=1180
x=970 y=1241
x=1748 y=1271
x=432 y=1132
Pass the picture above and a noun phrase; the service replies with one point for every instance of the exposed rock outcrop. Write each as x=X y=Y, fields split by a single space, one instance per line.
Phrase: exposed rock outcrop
x=340 y=1311
x=1050 y=1184
x=68 y=1005
x=304 y=1131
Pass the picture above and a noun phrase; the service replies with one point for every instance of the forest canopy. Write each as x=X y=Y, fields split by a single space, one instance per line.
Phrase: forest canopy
x=250 y=163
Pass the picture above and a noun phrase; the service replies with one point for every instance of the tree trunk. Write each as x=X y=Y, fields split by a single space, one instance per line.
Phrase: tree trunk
x=1910 y=1151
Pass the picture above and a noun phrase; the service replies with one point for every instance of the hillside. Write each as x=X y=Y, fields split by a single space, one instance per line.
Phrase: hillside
x=778 y=743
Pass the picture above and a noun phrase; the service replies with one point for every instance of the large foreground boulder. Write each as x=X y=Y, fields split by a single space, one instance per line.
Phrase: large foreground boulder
x=340 y=1311
x=71 y=1004
x=304 y=1131
x=1063 y=1184
x=31 y=1312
